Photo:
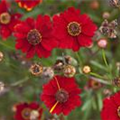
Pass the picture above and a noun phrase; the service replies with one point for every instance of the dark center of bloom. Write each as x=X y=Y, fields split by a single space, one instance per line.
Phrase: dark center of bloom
x=95 y=84
x=74 y=28
x=62 y=96
x=26 y=113
x=118 y=111
x=5 y=18
x=34 y=37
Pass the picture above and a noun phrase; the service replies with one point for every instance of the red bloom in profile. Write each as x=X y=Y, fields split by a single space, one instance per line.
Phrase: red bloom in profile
x=73 y=30
x=61 y=95
x=111 y=108
x=28 y=5
x=31 y=111
x=7 y=20
x=35 y=36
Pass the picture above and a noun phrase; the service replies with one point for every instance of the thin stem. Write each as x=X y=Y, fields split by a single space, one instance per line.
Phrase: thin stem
x=104 y=58
x=19 y=82
x=106 y=63
x=79 y=59
x=3 y=44
x=96 y=75
x=101 y=81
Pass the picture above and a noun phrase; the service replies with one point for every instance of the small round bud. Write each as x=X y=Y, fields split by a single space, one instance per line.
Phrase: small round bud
x=36 y=69
x=94 y=4
x=106 y=15
x=1 y=56
x=86 y=69
x=102 y=43
x=69 y=71
x=48 y=73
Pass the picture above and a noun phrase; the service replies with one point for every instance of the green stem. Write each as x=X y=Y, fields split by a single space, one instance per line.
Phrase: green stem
x=106 y=63
x=104 y=58
x=101 y=81
x=96 y=75
x=19 y=82
x=79 y=59
x=3 y=44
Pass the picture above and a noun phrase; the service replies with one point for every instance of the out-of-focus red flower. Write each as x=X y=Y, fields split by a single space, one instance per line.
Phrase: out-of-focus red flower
x=35 y=37
x=61 y=95
x=28 y=111
x=8 y=20
x=73 y=30
x=28 y=4
x=111 y=107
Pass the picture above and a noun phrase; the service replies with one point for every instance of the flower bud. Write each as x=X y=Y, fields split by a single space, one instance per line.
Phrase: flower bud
x=94 y=4
x=69 y=71
x=48 y=73
x=70 y=60
x=102 y=43
x=86 y=69
x=106 y=15
x=36 y=69
x=116 y=82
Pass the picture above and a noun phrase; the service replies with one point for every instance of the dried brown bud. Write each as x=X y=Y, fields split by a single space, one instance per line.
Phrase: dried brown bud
x=114 y=3
x=69 y=71
x=48 y=73
x=116 y=82
x=70 y=60
x=59 y=65
x=36 y=69
x=109 y=29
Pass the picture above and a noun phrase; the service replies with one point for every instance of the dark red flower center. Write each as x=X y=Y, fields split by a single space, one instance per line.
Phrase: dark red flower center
x=118 y=111
x=34 y=37
x=62 y=96
x=5 y=18
x=26 y=113
x=74 y=28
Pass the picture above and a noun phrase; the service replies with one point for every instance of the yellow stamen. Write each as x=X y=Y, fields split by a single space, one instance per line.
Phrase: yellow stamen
x=57 y=83
x=51 y=110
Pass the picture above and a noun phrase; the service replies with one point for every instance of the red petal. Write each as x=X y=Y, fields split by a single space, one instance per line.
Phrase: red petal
x=84 y=40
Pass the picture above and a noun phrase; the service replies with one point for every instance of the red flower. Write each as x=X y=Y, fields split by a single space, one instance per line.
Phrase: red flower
x=61 y=95
x=7 y=20
x=28 y=5
x=35 y=36
x=111 y=108
x=25 y=111
x=73 y=30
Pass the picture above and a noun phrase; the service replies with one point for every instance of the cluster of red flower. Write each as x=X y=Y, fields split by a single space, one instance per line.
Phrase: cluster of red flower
x=68 y=30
